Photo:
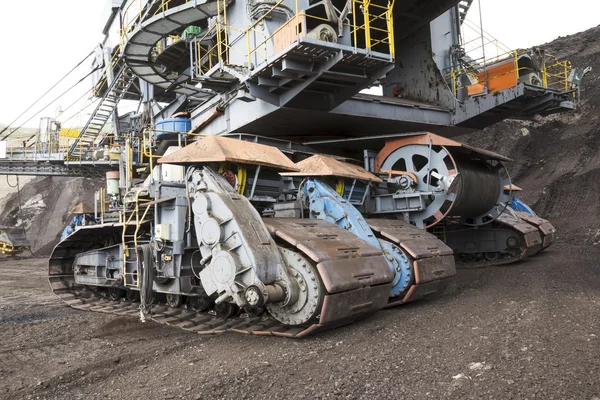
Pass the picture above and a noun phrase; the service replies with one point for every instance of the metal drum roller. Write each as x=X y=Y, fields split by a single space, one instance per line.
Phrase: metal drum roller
x=452 y=183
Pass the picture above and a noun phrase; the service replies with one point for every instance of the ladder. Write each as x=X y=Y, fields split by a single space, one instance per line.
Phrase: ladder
x=90 y=135
x=463 y=9
x=131 y=276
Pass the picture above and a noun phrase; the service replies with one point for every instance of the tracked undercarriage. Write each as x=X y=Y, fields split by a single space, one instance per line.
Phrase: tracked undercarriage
x=257 y=188
x=196 y=252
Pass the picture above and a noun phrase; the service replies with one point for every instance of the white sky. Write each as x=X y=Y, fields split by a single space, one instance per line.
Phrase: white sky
x=42 y=40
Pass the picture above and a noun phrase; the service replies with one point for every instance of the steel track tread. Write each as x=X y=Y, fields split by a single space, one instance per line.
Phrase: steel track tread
x=546 y=229
x=203 y=323
x=347 y=304
x=529 y=237
x=432 y=260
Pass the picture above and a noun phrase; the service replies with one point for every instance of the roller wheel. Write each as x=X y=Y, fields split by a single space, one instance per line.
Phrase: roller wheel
x=199 y=303
x=254 y=311
x=174 y=300
x=226 y=310
x=132 y=295
x=115 y=293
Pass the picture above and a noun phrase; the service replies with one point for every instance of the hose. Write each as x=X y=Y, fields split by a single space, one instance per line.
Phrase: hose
x=147 y=267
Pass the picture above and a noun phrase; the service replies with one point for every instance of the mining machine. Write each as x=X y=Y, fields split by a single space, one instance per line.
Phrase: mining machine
x=291 y=166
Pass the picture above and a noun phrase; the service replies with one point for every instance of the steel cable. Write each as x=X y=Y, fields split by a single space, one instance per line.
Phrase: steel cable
x=44 y=95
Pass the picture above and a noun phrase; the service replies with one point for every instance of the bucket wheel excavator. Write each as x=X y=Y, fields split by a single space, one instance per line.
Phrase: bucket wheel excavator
x=239 y=203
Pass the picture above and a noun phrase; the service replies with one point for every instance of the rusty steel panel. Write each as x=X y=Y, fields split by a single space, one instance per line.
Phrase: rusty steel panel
x=432 y=260
x=531 y=239
x=546 y=229
x=322 y=165
x=425 y=248
x=320 y=240
x=397 y=231
x=533 y=244
x=220 y=149
x=434 y=269
x=426 y=138
x=354 y=303
x=343 y=275
x=418 y=292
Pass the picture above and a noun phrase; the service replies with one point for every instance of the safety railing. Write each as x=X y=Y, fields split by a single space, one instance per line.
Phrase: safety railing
x=137 y=219
x=556 y=74
x=102 y=82
x=507 y=70
x=373 y=29
x=137 y=10
x=56 y=150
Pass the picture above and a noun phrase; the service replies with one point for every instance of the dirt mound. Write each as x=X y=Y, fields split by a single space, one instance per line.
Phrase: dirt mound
x=44 y=206
x=557 y=158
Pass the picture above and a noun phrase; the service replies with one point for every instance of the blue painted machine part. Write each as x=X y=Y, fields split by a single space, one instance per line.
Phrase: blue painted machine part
x=168 y=126
x=77 y=220
x=327 y=205
x=518 y=205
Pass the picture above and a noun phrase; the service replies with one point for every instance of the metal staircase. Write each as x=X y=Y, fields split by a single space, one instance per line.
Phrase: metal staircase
x=463 y=9
x=90 y=135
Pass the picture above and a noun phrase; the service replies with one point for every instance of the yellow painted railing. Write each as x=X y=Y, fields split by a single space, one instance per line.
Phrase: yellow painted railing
x=102 y=82
x=509 y=69
x=375 y=31
x=138 y=222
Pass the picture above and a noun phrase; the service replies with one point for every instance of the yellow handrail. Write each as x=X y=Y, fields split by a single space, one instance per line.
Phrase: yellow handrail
x=554 y=76
x=374 y=35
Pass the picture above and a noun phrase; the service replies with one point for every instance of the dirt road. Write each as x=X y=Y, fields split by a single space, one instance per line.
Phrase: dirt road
x=528 y=331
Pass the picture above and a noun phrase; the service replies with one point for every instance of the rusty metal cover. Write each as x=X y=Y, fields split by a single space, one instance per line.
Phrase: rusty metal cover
x=220 y=149
x=354 y=304
x=322 y=165
x=424 y=138
x=512 y=187
x=347 y=274
x=83 y=208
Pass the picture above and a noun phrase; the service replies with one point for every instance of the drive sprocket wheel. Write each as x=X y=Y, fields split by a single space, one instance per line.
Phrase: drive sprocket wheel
x=310 y=291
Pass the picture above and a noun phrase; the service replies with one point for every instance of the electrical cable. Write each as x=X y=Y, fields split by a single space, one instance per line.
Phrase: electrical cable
x=47 y=91
x=49 y=104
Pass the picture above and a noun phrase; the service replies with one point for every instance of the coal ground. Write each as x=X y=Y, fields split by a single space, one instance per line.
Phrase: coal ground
x=526 y=331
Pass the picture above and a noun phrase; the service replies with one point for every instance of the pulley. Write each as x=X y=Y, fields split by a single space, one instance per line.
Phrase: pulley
x=449 y=182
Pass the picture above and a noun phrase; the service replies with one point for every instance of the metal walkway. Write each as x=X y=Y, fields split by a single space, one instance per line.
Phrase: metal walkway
x=137 y=50
x=57 y=168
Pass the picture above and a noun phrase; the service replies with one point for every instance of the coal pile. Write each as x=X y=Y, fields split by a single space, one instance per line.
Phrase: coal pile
x=557 y=158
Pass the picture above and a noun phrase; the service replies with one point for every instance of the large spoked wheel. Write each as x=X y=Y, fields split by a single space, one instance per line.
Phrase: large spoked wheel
x=427 y=165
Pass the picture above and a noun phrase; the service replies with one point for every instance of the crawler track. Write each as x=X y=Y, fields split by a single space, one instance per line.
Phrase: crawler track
x=354 y=274
x=546 y=229
x=432 y=260
x=530 y=243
